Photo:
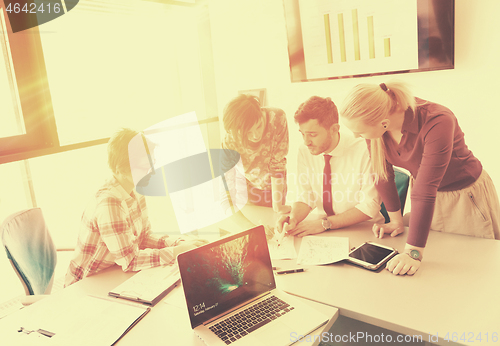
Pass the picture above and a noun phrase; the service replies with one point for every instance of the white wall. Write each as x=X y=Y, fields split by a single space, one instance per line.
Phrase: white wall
x=250 y=51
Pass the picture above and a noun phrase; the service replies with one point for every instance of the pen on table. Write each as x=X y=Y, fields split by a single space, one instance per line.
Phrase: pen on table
x=40 y=331
x=291 y=271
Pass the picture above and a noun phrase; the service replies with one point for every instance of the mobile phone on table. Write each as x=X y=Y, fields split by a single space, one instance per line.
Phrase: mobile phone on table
x=371 y=255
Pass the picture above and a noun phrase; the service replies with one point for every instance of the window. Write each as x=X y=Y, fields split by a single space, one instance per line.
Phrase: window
x=27 y=105
x=136 y=64
x=72 y=84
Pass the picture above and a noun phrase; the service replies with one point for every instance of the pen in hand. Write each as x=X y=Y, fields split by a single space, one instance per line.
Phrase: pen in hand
x=282 y=234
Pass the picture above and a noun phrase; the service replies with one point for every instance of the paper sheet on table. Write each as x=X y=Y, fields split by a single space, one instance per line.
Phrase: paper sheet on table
x=285 y=251
x=316 y=250
x=75 y=320
x=10 y=307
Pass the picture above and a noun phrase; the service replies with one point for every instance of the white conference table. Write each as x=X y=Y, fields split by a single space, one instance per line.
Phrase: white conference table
x=168 y=322
x=456 y=289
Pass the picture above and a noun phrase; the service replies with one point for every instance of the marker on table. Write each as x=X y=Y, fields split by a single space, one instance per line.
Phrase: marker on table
x=291 y=271
x=283 y=233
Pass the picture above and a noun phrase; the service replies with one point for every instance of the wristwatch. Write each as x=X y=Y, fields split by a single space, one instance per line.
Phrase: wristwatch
x=415 y=254
x=326 y=224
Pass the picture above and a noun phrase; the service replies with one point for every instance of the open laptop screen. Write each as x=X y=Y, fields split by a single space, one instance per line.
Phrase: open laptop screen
x=223 y=274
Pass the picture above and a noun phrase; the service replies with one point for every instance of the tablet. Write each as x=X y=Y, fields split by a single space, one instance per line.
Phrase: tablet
x=371 y=255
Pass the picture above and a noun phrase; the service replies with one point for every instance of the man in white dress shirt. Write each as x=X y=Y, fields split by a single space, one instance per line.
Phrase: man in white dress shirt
x=350 y=197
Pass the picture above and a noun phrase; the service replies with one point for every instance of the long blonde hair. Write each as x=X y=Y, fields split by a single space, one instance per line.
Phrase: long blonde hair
x=370 y=104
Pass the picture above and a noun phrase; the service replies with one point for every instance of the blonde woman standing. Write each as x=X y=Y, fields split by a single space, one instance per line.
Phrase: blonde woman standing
x=451 y=191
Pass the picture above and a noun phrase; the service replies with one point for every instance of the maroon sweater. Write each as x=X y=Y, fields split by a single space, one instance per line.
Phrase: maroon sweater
x=433 y=149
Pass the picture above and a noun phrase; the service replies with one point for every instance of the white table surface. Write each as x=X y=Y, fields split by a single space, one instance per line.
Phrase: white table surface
x=168 y=322
x=456 y=289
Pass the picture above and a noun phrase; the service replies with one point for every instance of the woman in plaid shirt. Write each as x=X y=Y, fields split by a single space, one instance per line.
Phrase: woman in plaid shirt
x=115 y=227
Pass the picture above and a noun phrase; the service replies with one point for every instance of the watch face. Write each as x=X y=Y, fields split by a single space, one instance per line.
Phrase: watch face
x=415 y=254
x=326 y=224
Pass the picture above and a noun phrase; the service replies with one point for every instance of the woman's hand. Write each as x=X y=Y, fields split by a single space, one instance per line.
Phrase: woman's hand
x=403 y=264
x=186 y=245
x=393 y=227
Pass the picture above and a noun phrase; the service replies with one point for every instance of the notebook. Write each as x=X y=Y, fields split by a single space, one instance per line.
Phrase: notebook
x=148 y=286
x=232 y=297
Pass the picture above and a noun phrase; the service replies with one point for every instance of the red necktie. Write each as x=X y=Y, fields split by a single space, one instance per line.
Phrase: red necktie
x=327 y=187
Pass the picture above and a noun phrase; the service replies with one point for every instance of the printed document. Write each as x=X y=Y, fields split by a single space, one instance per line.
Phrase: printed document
x=317 y=250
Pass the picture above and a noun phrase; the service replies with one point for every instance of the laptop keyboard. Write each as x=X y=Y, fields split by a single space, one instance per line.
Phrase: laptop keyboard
x=237 y=326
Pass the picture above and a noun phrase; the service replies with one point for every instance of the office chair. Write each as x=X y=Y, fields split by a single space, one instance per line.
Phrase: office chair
x=402 y=181
x=31 y=251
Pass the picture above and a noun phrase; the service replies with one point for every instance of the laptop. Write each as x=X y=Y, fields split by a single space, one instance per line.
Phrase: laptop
x=232 y=297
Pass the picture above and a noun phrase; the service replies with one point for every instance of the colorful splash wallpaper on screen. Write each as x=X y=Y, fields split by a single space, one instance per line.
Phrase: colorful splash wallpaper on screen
x=222 y=269
x=231 y=258
x=227 y=274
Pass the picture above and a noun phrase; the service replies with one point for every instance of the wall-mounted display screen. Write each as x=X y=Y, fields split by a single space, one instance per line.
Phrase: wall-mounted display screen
x=330 y=39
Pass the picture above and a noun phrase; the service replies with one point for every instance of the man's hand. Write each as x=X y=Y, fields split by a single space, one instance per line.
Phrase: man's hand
x=186 y=245
x=282 y=209
x=306 y=228
x=403 y=264
x=393 y=227
x=283 y=224
x=283 y=220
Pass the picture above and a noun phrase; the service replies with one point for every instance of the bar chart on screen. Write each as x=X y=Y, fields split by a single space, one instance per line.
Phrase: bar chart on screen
x=358 y=37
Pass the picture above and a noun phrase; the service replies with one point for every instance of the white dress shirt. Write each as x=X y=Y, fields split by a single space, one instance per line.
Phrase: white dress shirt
x=352 y=182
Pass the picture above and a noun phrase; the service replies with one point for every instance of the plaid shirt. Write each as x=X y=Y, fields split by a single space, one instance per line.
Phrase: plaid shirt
x=115 y=229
